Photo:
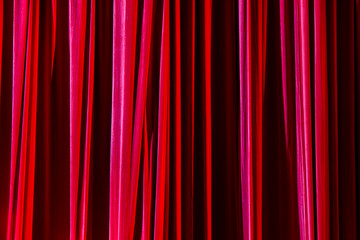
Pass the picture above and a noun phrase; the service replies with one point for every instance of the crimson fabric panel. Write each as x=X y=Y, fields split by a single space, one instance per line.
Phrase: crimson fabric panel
x=180 y=119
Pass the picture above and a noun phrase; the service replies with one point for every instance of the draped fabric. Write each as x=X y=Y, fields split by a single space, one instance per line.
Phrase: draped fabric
x=180 y=119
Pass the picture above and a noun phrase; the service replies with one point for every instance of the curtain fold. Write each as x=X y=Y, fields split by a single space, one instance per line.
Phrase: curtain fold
x=184 y=119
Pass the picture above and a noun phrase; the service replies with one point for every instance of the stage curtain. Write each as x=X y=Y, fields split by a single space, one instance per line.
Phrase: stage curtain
x=180 y=119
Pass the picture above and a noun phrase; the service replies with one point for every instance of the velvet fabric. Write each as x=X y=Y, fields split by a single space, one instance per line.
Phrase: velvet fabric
x=180 y=119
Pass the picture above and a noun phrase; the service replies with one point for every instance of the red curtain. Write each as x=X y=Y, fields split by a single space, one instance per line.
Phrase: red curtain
x=179 y=119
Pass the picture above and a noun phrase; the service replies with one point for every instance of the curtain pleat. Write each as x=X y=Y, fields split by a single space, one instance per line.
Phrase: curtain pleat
x=124 y=40
x=184 y=119
x=303 y=119
x=333 y=119
x=321 y=121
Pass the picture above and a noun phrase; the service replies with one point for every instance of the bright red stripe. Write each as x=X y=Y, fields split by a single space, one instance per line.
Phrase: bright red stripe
x=24 y=132
x=141 y=96
x=162 y=126
x=146 y=199
x=150 y=189
x=89 y=117
x=77 y=30
x=147 y=204
x=167 y=182
x=33 y=77
x=321 y=121
x=259 y=88
x=207 y=20
x=19 y=40
x=177 y=121
x=23 y=227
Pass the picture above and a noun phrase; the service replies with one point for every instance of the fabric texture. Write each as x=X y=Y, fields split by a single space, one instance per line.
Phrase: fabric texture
x=180 y=119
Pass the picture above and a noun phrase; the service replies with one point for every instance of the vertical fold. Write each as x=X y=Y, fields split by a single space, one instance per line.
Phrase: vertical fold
x=145 y=209
x=23 y=141
x=164 y=91
x=124 y=45
x=333 y=119
x=167 y=182
x=252 y=49
x=258 y=90
x=77 y=34
x=288 y=95
x=177 y=121
x=303 y=119
x=25 y=191
x=207 y=52
x=20 y=11
x=89 y=118
x=47 y=29
x=147 y=177
x=141 y=96
x=32 y=60
x=321 y=121
x=246 y=163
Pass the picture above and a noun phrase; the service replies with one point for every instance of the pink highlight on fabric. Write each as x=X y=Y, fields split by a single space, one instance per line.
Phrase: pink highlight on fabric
x=303 y=120
x=124 y=40
x=140 y=104
x=88 y=134
x=19 y=47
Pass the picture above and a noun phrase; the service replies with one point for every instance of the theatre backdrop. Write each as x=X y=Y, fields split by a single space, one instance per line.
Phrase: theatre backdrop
x=180 y=119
